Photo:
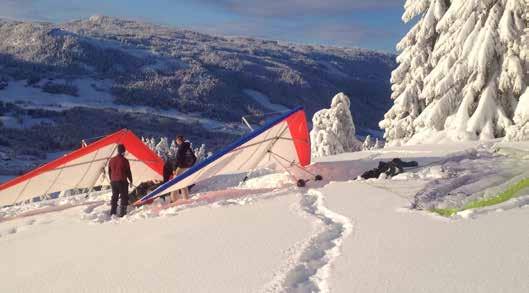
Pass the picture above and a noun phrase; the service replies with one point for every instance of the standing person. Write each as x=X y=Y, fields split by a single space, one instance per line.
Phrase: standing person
x=119 y=172
x=185 y=158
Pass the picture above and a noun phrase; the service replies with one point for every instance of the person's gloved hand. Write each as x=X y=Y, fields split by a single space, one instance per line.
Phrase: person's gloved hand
x=131 y=185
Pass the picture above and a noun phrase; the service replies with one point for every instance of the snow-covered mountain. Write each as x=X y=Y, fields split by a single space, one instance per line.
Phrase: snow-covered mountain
x=60 y=77
x=463 y=71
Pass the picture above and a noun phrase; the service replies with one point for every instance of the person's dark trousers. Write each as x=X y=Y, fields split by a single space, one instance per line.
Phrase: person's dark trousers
x=120 y=189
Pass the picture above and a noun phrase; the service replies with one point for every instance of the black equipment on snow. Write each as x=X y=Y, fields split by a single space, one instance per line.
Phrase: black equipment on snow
x=391 y=168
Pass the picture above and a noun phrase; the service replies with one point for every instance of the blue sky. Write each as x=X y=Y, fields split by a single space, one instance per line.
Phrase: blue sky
x=374 y=24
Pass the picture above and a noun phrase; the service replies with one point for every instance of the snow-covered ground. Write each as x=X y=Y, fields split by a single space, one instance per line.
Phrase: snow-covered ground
x=93 y=94
x=23 y=121
x=264 y=101
x=88 y=95
x=340 y=235
x=401 y=251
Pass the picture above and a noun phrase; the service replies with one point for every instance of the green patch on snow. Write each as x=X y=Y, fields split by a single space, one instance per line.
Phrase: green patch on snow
x=445 y=212
x=511 y=192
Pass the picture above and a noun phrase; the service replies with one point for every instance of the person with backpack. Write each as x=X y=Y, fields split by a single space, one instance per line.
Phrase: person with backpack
x=119 y=172
x=185 y=159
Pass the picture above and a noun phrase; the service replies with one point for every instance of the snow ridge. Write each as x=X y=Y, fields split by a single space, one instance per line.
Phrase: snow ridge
x=313 y=268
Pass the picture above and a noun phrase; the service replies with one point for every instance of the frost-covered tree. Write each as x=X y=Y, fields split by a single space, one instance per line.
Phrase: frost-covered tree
x=149 y=142
x=172 y=149
x=152 y=144
x=474 y=77
x=166 y=150
x=162 y=148
x=520 y=131
x=201 y=153
x=333 y=129
x=378 y=144
x=408 y=79
x=368 y=143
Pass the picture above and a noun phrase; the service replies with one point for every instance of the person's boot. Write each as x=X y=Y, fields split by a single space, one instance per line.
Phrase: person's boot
x=122 y=211
x=113 y=210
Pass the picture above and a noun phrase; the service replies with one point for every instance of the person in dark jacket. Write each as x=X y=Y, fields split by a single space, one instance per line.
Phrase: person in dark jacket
x=119 y=172
x=185 y=158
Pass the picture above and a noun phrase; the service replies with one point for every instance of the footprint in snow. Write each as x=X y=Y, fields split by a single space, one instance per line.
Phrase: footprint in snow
x=89 y=209
x=9 y=231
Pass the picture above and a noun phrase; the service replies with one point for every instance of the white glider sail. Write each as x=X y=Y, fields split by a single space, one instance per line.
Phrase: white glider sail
x=284 y=141
x=83 y=168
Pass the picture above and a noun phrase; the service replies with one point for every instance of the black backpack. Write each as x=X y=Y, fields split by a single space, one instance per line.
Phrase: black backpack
x=189 y=158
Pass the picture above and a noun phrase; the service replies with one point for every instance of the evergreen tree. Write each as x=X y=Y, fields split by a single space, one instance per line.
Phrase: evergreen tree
x=162 y=148
x=378 y=144
x=172 y=149
x=333 y=129
x=368 y=143
x=408 y=79
x=201 y=153
x=168 y=151
x=472 y=79
x=152 y=144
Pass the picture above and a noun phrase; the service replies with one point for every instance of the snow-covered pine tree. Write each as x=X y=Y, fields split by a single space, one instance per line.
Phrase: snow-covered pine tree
x=166 y=151
x=162 y=148
x=520 y=130
x=476 y=74
x=378 y=144
x=368 y=143
x=201 y=153
x=152 y=144
x=145 y=141
x=333 y=130
x=172 y=149
x=407 y=80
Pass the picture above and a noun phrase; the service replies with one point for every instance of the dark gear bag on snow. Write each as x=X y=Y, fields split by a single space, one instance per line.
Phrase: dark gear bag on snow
x=141 y=190
x=391 y=168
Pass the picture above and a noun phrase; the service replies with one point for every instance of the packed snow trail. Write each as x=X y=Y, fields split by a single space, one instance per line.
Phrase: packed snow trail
x=313 y=267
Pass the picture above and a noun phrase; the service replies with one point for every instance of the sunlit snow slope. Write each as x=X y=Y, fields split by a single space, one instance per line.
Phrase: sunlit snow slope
x=340 y=235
